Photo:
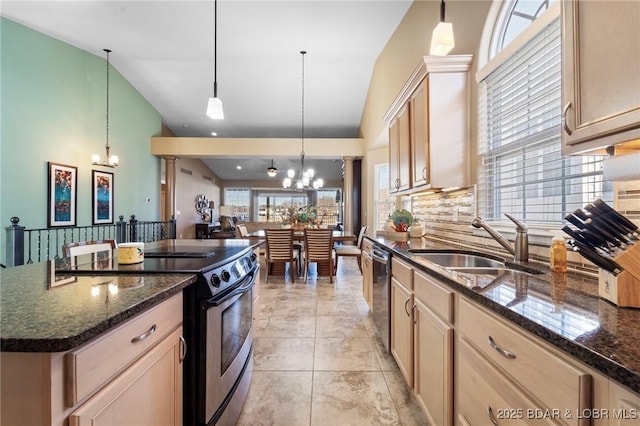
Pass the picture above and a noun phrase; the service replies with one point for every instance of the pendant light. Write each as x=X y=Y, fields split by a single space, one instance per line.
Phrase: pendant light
x=214 y=108
x=442 y=37
x=304 y=180
x=112 y=160
x=272 y=171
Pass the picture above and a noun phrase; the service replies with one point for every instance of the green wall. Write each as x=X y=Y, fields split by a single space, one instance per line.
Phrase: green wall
x=53 y=108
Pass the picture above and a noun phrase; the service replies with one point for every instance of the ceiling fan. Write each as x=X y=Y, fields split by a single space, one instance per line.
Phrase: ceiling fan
x=271 y=170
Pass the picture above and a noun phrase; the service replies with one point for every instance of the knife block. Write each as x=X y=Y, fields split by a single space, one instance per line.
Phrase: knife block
x=622 y=290
x=630 y=260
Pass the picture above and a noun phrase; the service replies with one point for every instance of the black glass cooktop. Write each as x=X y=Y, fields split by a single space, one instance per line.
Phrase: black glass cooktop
x=183 y=251
x=176 y=260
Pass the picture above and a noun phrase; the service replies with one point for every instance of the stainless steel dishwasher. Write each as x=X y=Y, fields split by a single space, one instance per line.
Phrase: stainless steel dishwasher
x=382 y=294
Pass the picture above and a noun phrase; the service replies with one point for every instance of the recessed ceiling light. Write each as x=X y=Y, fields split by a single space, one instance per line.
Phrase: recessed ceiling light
x=214 y=134
x=185 y=125
x=239 y=167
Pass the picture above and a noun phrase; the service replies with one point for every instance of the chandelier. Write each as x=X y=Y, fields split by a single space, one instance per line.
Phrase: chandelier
x=111 y=160
x=305 y=177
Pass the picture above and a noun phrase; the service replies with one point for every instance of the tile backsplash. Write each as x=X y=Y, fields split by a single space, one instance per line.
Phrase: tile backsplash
x=447 y=217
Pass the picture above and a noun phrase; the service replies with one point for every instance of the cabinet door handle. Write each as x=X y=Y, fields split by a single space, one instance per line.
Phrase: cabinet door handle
x=505 y=353
x=424 y=173
x=413 y=312
x=144 y=335
x=492 y=416
x=564 y=118
x=183 y=349
x=405 y=307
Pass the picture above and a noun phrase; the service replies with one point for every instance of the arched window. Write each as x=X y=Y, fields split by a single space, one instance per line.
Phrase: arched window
x=522 y=171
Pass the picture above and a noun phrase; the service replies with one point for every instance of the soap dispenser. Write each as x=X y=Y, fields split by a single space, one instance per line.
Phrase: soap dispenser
x=558 y=254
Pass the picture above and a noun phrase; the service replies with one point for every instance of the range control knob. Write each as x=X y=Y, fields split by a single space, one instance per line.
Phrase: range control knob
x=215 y=280
x=253 y=257
x=225 y=275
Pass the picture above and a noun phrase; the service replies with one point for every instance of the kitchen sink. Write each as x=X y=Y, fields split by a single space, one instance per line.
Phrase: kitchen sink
x=472 y=263
x=451 y=259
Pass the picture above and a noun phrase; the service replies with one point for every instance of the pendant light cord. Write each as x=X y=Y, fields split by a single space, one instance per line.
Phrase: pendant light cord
x=107 y=145
x=303 y=52
x=215 y=48
x=441 y=10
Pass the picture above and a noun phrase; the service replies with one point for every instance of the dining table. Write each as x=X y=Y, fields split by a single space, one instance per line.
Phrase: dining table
x=298 y=235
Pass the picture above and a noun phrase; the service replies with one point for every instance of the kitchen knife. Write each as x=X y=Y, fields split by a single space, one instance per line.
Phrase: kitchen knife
x=588 y=225
x=578 y=235
x=614 y=215
x=594 y=235
x=600 y=261
x=612 y=226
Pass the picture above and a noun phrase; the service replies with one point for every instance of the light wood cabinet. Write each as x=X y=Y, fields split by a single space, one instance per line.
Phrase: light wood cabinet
x=433 y=348
x=431 y=116
x=531 y=366
x=624 y=406
x=402 y=329
x=367 y=279
x=433 y=365
x=130 y=375
x=486 y=397
x=600 y=66
x=149 y=392
x=399 y=148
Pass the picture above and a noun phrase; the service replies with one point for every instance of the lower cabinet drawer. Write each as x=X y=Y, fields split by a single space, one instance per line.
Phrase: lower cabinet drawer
x=148 y=393
x=548 y=378
x=93 y=364
x=486 y=397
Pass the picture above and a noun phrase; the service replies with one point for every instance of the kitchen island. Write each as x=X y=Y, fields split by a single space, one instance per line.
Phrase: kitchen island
x=534 y=332
x=75 y=347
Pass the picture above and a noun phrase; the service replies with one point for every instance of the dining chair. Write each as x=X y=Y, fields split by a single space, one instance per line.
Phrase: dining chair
x=241 y=231
x=84 y=247
x=318 y=248
x=352 y=251
x=279 y=252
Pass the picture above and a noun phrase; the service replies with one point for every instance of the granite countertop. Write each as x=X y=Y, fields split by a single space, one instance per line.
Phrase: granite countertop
x=562 y=309
x=44 y=312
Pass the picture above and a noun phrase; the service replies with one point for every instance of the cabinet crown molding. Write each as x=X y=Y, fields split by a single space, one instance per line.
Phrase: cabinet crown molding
x=427 y=65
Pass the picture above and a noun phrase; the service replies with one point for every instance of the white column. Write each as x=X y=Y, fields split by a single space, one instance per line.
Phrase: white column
x=170 y=187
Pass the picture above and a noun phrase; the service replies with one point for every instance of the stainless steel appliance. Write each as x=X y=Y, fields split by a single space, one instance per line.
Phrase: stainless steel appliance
x=382 y=294
x=217 y=324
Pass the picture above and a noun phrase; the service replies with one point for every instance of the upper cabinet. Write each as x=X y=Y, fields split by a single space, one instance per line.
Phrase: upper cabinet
x=429 y=126
x=399 y=149
x=600 y=74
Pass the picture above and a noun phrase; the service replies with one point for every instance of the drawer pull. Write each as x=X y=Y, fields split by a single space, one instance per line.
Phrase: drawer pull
x=405 y=307
x=505 y=353
x=145 y=334
x=491 y=416
x=183 y=349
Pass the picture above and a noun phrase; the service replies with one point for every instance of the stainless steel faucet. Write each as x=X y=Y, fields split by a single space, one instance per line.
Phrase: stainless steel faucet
x=520 y=250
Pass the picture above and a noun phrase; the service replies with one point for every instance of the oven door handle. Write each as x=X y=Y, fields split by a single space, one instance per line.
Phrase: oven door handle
x=240 y=290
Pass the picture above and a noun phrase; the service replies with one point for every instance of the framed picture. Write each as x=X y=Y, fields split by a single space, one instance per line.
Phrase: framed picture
x=62 y=194
x=56 y=279
x=102 y=196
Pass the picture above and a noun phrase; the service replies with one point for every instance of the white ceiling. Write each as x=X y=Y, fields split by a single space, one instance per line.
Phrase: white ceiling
x=165 y=49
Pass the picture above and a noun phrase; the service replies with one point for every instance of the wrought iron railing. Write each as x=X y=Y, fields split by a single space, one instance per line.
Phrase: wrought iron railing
x=36 y=245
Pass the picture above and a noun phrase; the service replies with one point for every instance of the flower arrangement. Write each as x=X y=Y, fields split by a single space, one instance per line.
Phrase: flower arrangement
x=304 y=216
x=400 y=220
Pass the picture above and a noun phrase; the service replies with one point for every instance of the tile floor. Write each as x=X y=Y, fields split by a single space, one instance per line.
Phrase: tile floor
x=318 y=359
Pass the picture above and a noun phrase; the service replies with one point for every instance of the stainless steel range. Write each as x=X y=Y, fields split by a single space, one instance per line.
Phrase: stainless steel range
x=218 y=315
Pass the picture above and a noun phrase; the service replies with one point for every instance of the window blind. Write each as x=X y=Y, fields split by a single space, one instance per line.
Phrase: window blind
x=384 y=203
x=522 y=171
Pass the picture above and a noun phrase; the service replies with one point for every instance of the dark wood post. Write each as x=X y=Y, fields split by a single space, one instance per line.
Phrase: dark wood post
x=15 y=243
